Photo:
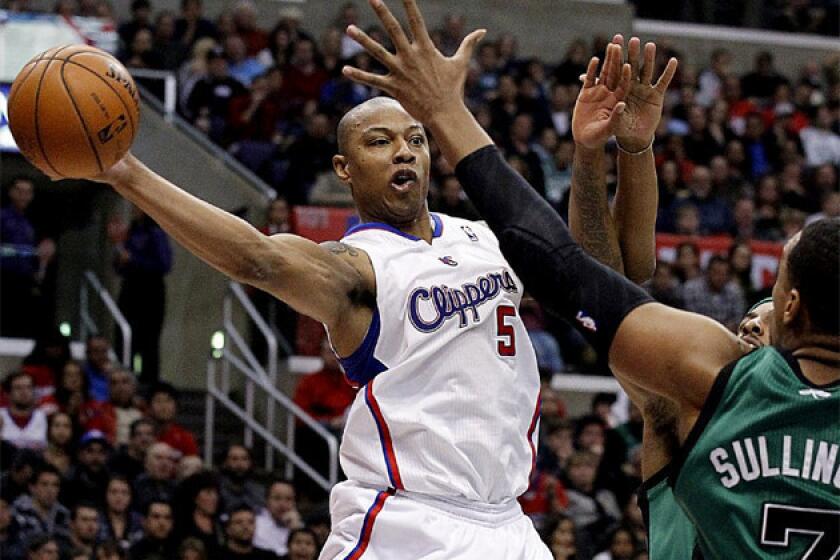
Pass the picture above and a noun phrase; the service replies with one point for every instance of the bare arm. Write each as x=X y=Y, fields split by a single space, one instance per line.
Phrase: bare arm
x=590 y=219
x=310 y=278
x=638 y=197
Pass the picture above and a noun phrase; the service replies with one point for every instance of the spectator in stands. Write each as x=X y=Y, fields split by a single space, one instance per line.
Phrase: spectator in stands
x=716 y=294
x=830 y=208
x=687 y=262
x=664 y=285
x=237 y=479
x=141 y=53
x=590 y=434
x=545 y=345
x=687 y=220
x=157 y=542
x=15 y=481
x=768 y=202
x=740 y=262
x=302 y=545
x=243 y=67
x=560 y=536
x=24 y=267
x=759 y=153
x=44 y=363
x=279 y=517
x=163 y=409
x=98 y=366
x=326 y=395
x=129 y=458
x=84 y=527
x=764 y=79
x=169 y=51
x=711 y=80
x=38 y=511
x=197 y=503
x=60 y=442
x=88 y=479
x=23 y=424
x=42 y=547
x=308 y=156
x=10 y=545
x=155 y=483
x=245 y=21
x=143 y=257
x=117 y=522
x=123 y=385
x=192 y=549
x=239 y=530
x=622 y=546
x=72 y=389
x=593 y=510
x=452 y=201
x=700 y=145
x=744 y=218
x=209 y=101
x=192 y=26
x=715 y=215
x=304 y=76
x=820 y=143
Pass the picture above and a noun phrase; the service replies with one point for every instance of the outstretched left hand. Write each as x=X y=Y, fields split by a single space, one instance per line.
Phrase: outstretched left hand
x=422 y=79
x=601 y=101
x=644 y=100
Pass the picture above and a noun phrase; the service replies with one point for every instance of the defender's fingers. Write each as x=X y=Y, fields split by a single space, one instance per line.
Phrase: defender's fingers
x=367 y=78
x=624 y=82
x=416 y=23
x=373 y=47
x=633 y=50
x=469 y=43
x=667 y=76
x=650 y=61
x=589 y=78
x=391 y=25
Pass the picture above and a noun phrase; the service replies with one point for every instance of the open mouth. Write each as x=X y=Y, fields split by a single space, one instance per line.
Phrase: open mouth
x=403 y=180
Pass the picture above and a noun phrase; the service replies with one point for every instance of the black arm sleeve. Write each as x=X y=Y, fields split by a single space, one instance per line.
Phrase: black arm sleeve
x=540 y=248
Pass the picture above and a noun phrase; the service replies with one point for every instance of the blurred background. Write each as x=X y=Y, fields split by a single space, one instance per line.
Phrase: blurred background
x=156 y=377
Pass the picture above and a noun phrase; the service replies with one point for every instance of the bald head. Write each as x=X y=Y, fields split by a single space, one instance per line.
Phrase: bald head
x=357 y=114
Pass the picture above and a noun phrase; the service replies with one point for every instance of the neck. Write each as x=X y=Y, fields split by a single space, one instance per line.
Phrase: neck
x=819 y=363
x=42 y=510
x=19 y=410
x=419 y=226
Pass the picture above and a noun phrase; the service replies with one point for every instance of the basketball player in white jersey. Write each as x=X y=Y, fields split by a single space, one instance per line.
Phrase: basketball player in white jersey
x=423 y=311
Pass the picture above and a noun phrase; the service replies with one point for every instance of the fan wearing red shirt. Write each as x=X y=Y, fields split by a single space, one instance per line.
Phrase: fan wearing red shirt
x=326 y=395
x=163 y=408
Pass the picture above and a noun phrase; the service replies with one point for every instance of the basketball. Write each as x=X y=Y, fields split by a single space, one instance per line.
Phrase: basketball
x=73 y=111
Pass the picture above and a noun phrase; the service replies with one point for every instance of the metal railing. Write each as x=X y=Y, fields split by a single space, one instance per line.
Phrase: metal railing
x=170 y=88
x=88 y=326
x=263 y=378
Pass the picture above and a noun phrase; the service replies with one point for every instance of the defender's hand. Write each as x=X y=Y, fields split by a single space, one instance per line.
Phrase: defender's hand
x=601 y=101
x=644 y=101
x=422 y=79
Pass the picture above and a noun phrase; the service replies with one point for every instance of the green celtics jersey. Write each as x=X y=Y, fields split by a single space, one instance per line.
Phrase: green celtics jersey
x=759 y=474
x=670 y=533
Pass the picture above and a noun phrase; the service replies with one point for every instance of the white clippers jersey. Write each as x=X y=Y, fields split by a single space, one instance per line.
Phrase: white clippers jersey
x=448 y=404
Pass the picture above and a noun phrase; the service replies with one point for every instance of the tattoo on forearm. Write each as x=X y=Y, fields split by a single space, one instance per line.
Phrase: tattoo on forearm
x=593 y=228
x=338 y=248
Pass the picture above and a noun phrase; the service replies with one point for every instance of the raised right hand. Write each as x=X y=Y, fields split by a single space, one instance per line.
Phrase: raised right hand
x=423 y=80
x=601 y=101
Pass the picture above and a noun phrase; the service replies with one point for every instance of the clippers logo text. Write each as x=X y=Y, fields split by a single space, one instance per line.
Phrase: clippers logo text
x=430 y=308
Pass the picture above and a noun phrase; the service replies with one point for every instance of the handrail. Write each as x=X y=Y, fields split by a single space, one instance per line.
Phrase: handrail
x=170 y=88
x=199 y=138
x=263 y=378
x=88 y=325
x=213 y=392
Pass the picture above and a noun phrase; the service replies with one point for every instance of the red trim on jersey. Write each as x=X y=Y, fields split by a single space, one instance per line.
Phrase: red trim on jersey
x=367 y=525
x=531 y=434
x=384 y=438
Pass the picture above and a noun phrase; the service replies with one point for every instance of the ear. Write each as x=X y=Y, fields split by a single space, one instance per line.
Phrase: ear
x=793 y=307
x=341 y=166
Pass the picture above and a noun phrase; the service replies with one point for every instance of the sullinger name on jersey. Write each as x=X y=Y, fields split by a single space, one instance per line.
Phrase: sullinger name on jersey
x=430 y=308
x=750 y=459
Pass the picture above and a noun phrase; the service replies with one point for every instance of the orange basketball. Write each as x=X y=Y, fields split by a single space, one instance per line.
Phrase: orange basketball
x=73 y=111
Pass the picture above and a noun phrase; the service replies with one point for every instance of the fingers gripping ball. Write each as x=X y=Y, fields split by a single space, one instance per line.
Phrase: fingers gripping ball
x=73 y=111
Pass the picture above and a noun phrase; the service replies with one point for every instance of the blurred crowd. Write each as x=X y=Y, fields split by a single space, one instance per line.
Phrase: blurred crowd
x=94 y=466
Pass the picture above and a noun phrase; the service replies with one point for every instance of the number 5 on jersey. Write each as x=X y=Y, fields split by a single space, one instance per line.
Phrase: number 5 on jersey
x=504 y=330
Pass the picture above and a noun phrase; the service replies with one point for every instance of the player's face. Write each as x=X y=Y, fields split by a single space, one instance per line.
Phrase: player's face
x=387 y=165
x=755 y=326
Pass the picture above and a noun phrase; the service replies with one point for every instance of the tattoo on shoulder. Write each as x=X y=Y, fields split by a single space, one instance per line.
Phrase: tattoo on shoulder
x=338 y=248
